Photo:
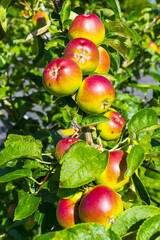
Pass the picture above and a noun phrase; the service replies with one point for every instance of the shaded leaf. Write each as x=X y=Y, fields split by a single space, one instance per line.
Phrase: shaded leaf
x=129 y=217
x=81 y=165
x=27 y=205
x=116 y=7
x=55 y=41
x=93 y=120
x=38 y=32
x=65 y=11
x=20 y=173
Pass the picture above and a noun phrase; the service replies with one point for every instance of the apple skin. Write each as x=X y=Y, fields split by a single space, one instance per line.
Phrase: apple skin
x=112 y=129
x=153 y=46
x=113 y=175
x=40 y=19
x=100 y=205
x=67 y=213
x=158 y=50
x=87 y=26
x=62 y=77
x=104 y=61
x=95 y=95
x=63 y=145
x=84 y=52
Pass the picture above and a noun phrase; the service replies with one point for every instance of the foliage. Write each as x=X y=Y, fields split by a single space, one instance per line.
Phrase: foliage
x=35 y=121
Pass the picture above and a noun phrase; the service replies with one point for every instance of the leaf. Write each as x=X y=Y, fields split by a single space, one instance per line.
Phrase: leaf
x=62 y=41
x=131 y=216
x=144 y=88
x=155 y=76
x=140 y=190
x=38 y=32
x=119 y=44
x=119 y=27
x=106 y=75
x=20 y=173
x=143 y=120
x=3 y=22
x=27 y=205
x=134 y=160
x=81 y=165
x=93 y=120
x=65 y=11
x=154 y=175
x=154 y=152
x=3 y=92
x=149 y=228
x=85 y=231
x=18 y=146
x=116 y=7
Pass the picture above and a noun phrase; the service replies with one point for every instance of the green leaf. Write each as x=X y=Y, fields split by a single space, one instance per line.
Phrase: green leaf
x=134 y=160
x=27 y=205
x=116 y=7
x=65 y=11
x=106 y=75
x=154 y=175
x=155 y=76
x=142 y=121
x=93 y=120
x=62 y=41
x=131 y=216
x=140 y=190
x=81 y=165
x=144 y=88
x=154 y=152
x=107 y=13
x=85 y=231
x=18 y=146
x=4 y=92
x=150 y=227
x=119 y=44
x=3 y=21
x=20 y=173
x=119 y=27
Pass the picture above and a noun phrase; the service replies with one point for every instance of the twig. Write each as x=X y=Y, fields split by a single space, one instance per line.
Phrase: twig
x=43 y=162
x=158 y=204
x=115 y=147
x=152 y=169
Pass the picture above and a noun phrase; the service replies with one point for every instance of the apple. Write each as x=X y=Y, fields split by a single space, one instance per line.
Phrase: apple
x=113 y=175
x=100 y=205
x=62 y=77
x=153 y=46
x=67 y=213
x=104 y=61
x=40 y=19
x=63 y=145
x=158 y=50
x=95 y=95
x=112 y=129
x=84 y=52
x=87 y=26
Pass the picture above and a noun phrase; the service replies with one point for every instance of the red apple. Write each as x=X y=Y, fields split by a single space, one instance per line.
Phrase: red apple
x=95 y=94
x=153 y=46
x=113 y=175
x=40 y=19
x=100 y=205
x=112 y=129
x=158 y=50
x=87 y=26
x=62 y=77
x=63 y=145
x=84 y=52
x=104 y=61
x=67 y=213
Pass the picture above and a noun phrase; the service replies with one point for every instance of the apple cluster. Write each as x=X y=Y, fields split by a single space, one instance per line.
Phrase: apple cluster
x=79 y=73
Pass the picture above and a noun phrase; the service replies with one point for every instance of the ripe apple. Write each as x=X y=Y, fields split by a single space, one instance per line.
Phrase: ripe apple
x=95 y=94
x=63 y=145
x=67 y=213
x=104 y=61
x=153 y=46
x=87 y=26
x=84 y=52
x=100 y=205
x=62 y=77
x=40 y=19
x=113 y=175
x=112 y=129
x=158 y=50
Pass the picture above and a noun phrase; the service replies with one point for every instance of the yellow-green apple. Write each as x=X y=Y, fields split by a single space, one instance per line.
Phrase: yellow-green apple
x=63 y=145
x=113 y=175
x=100 y=205
x=95 y=95
x=40 y=19
x=104 y=61
x=84 y=52
x=62 y=77
x=67 y=212
x=153 y=46
x=87 y=26
x=112 y=129
x=158 y=50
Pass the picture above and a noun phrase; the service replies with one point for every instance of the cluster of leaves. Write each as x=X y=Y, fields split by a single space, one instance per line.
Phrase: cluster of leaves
x=30 y=176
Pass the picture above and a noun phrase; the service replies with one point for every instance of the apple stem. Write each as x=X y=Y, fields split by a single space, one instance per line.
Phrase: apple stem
x=86 y=13
x=88 y=136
